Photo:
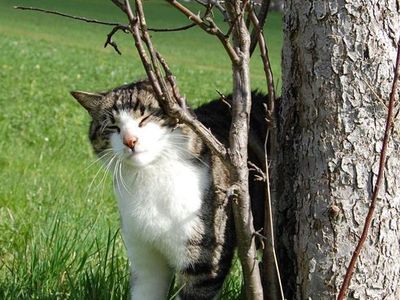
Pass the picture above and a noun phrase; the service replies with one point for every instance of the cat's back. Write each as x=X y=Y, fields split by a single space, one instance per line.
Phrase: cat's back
x=216 y=115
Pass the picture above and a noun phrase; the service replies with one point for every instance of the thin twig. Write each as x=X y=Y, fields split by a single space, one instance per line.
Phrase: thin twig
x=209 y=11
x=182 y=28
x=261 y=16
x=209 y=28
x=152 y=52
x=209 y=4
x=265 y=60
x=232 y=25
x=368 y=219
x=95 y=21
x=172 y=81
x=258 y=234
x=222 y=97
x=237 y=17
x=121 y=4
x=110 y=41
x=134 y=24
x=276 y=288
x=260 y=176
x=68 y=16
x=271 y=267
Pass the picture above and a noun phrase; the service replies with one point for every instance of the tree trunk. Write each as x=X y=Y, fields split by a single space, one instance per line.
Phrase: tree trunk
x=338 y=60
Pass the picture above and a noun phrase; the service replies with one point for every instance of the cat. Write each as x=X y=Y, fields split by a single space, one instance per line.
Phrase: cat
x=175 y=217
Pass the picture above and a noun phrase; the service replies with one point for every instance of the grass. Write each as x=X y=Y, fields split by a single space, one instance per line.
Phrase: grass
x=59 y=235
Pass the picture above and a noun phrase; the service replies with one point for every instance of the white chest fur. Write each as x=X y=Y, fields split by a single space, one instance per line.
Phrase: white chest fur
x=159 y=205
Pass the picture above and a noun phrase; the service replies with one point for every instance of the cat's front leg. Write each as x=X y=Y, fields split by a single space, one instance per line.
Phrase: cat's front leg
x=151 y=274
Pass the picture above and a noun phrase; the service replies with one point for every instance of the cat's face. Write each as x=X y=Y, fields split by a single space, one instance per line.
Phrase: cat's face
x=127 y=124
x=137 y=139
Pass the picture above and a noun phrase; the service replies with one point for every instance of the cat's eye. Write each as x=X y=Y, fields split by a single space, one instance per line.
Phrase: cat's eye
x=143 y=121
x=115 y=128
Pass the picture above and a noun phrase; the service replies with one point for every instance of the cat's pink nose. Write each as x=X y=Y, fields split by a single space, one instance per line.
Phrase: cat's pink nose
x=130 y=141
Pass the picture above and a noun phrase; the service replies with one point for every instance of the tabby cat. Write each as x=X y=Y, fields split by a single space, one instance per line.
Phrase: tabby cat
x=174 y=220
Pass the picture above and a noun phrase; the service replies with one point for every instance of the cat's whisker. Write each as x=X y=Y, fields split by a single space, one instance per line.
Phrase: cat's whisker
x=123 y=182
x=105 y=171
x=102 y=156
x=179 y=138
x=93 y=180
x=121 y=177
x=115 y=179
x=95 y=176
x=185 y=143
x=186 y=151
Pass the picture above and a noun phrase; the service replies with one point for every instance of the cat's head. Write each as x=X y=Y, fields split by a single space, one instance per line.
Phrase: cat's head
x=128 y=123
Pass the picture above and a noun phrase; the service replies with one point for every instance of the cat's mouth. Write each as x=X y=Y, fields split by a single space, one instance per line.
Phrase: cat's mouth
x=134 y=152
x=138 y=158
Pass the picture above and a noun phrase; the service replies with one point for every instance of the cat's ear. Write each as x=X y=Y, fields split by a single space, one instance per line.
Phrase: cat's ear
x=88 y=100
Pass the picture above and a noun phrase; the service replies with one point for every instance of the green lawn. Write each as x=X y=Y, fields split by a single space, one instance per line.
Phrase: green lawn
x=59 y=224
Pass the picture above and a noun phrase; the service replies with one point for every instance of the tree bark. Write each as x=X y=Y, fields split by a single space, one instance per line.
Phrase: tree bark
x=338 y=60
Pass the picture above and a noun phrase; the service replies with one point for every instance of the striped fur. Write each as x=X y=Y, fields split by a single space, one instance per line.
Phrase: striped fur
x=173 y=219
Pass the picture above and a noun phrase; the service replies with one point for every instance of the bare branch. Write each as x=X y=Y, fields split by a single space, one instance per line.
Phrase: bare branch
x=210 y=4
x=261 y=236
x=68 y=16
x=95 y=21
x=152 y=52
x=369 y=217
x=110 y=41
x=129 y=12
x=223 y=99
x=261 y=17
x=182 y=28
x=266 y=62
x=260 y=173
x=270 y=261
x=238 y=140
x=171 y=80
x=210 y=28
x=233 y=23
x=121 y=5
